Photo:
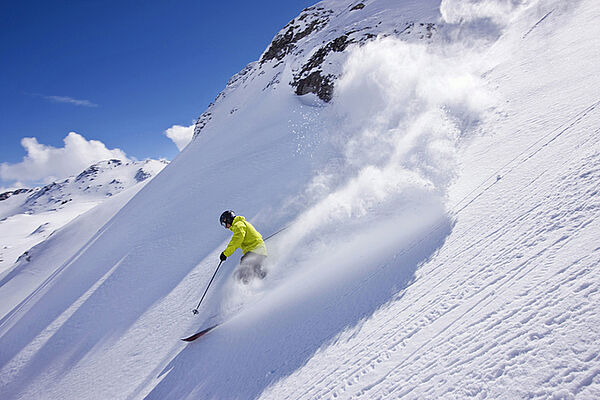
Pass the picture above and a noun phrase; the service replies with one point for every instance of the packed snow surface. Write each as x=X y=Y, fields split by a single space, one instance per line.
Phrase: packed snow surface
x=441 y=224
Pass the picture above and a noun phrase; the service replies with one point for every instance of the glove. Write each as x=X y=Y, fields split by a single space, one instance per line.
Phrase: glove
x=223 y=257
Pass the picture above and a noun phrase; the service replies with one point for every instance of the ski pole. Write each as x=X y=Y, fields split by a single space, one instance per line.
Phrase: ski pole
x=279 y=231
x=195 y=310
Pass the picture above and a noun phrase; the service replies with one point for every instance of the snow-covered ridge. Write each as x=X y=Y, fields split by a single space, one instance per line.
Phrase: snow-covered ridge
x=29 y=216
x=103 y=179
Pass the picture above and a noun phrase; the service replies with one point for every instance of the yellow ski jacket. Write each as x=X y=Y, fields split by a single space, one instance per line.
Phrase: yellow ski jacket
x=246 y=237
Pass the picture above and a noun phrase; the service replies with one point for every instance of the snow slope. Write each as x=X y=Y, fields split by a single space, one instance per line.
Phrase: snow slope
x=30 y=216
x=442 y=211
x=67 y=214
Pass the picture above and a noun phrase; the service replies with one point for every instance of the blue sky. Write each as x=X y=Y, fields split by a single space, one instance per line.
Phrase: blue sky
x=122 y=72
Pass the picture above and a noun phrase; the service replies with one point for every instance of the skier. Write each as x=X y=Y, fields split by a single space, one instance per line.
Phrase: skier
x=246 y=237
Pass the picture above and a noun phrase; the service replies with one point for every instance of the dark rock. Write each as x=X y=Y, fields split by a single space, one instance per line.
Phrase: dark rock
x=37 y=195
x=359 y=6
x=141 y=175
x=310 y=78
x=274 y=82
x=202 y=121
x=316 y=83
x=284 y=42
x=40 y=229
x=89 y=172
x=431 y=28
x=241 y=77
x=6 y=195
x=25 y=256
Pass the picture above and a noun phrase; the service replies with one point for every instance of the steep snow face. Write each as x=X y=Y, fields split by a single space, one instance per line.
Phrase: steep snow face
x=508 y=306
x=307 y=55
x=441 y=204
x=30 y=216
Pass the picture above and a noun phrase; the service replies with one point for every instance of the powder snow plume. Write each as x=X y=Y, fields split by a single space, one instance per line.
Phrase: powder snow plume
x=399 y=109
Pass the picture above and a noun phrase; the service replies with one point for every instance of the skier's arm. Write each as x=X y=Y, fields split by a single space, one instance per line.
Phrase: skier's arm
x=239 y=232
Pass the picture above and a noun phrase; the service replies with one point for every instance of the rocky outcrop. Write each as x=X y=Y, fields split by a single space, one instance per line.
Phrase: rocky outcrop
x=142 y=175
x=92 y=171
x=202 y=121
x=311 y=48
x=311 y=78
x=311 y=20
x=6 y=195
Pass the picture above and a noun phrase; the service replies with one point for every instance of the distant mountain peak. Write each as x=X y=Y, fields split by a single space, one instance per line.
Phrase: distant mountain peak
x=47 y=208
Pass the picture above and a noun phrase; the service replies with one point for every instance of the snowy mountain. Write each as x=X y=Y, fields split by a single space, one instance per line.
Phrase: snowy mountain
x=435 y=164
x=30 y=216
x=308 y=53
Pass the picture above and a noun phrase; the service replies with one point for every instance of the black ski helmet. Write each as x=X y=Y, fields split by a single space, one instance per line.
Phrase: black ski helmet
x=227 y=218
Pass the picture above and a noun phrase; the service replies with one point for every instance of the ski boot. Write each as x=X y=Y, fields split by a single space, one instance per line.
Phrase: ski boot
x=259 y=271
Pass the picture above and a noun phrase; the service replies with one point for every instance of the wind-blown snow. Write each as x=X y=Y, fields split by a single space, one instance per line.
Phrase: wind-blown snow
x=441 y=237
x=396 y=156
x=496 y=11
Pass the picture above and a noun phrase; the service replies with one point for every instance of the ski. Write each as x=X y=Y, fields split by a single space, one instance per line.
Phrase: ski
x=199 y=334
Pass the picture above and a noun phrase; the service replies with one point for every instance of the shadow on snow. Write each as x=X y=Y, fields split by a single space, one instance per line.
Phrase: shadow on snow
x=244 y=356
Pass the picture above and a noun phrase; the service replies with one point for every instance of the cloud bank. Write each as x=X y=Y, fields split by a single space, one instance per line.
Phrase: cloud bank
x=45 y=164
x=180 y=135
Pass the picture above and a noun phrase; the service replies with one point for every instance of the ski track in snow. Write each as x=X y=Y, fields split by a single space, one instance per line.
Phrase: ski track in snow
x=488 y=322
x=498 y=296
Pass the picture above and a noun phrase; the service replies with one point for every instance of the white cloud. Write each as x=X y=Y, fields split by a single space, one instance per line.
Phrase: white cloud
x=45 y=164
x=180 y=135
x=69 y=100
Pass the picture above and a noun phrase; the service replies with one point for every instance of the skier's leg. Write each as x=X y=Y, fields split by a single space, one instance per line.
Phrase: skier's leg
x=258 y=268
x=243 y=274
x=243 y=271
x=251 y=264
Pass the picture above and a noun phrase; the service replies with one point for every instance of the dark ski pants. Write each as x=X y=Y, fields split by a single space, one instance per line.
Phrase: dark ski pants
x=251 y=265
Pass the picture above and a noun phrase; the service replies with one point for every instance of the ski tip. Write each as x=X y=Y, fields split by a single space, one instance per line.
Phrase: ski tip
x=199 y=334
